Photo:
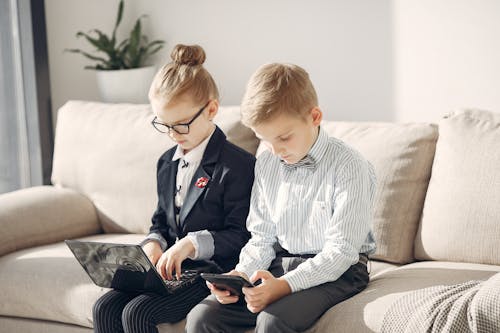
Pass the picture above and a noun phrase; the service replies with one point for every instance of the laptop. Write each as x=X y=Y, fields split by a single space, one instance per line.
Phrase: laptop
x=126 y=267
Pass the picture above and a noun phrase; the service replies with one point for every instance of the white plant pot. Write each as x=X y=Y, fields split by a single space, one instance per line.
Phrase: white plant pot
x=125 y=85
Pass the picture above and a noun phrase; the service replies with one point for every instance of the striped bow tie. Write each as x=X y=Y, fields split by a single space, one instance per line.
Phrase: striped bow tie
x=307 y=162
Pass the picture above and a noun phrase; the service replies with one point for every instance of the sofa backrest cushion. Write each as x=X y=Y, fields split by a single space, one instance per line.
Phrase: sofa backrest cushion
x=461 y=216
x=109 y=152
x=402 y=156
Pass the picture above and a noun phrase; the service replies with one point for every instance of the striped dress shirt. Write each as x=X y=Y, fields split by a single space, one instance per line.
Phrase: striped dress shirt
x=322 y=207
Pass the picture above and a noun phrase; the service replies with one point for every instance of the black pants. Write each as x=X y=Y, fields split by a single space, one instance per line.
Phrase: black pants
x=118 y=311
x=293 y=313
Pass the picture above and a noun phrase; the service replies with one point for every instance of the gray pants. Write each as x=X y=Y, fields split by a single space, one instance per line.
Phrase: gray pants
x=293 y=313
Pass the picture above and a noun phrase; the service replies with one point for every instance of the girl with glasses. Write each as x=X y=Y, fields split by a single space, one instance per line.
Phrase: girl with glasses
x=203 y=186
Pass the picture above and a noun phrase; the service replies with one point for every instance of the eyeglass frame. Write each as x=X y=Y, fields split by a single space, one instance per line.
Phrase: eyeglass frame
x=172 y=128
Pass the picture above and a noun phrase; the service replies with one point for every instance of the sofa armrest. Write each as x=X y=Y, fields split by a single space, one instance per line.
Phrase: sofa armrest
x=44 y=215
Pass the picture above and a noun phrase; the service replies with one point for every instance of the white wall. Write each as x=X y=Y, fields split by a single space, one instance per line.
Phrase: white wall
x=68 y=79
x=386 y=60
x=447 y=57
x=345 y=45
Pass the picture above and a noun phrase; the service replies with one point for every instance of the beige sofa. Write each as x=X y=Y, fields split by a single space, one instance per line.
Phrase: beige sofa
x=432 y=227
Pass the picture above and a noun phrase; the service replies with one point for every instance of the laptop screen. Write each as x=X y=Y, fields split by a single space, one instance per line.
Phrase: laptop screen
x=119 y=266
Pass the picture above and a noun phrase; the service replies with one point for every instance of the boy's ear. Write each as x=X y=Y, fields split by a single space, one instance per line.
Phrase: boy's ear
x=316 y=115
x=212 y=108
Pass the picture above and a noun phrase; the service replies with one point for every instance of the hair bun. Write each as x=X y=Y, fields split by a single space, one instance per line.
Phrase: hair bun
x=191 y=55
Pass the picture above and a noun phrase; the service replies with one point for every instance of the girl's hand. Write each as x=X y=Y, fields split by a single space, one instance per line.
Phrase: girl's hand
x=153 y=250
x=172 y=258
x=224 y=296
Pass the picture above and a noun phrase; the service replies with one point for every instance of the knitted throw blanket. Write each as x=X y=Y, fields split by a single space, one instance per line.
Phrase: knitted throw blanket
x=472 y=306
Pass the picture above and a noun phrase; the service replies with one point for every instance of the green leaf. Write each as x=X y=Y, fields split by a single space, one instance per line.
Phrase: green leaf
x=154 y=50
x=134 y=45
x=118 y=20
x=154 y=43
x=88 y=55
x=104 y=41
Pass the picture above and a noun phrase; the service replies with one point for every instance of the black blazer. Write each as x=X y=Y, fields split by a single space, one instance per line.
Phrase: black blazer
x=221 y=207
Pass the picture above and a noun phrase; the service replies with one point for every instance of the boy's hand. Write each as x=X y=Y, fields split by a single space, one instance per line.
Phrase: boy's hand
x=153 y=251
x=224 y=296
x=269 y=291
x=172 y=258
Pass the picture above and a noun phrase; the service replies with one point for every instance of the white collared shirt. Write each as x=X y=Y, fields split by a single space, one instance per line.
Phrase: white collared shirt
x=188 y=164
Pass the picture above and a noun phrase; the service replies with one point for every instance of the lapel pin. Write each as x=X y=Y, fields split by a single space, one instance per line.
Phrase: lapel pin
x=201 y=182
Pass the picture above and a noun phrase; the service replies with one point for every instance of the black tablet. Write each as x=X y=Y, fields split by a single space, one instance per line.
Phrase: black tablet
x=232 y=283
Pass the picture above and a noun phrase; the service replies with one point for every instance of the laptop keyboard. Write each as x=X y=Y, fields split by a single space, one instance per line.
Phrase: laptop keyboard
x=188 y=278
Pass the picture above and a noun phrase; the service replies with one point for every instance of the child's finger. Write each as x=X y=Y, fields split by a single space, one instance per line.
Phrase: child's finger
x=160 y=267
x=178 y=269
x=261 y=275
x=227 y=299
x=254 y=291
x=168 y=268
x=254 y=309
x=219 y=292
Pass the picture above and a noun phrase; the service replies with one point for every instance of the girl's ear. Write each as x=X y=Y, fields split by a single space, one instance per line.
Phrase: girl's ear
x=316 y=116
x=212 y=108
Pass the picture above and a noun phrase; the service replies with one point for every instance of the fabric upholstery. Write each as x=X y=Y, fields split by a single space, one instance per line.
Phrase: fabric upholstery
x=364 y=312
x=25 y=325
x=47 y=282
x=228 y=119
x=109 y=152
x=461 y=213
x=376 y=267
x=402 y=155
x=43 y=215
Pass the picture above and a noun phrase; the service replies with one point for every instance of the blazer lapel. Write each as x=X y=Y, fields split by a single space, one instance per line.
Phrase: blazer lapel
x=194 y=192
x=205 y=170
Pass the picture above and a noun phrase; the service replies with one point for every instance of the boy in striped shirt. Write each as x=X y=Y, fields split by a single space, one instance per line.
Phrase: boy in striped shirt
x=310 y=215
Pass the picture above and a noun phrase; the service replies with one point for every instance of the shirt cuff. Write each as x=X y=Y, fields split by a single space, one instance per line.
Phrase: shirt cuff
x=203 y=243
x=155 y=237
x=296 y=281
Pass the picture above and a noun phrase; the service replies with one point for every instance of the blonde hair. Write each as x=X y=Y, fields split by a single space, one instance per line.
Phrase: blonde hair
x=276 y=88
x=185 y=75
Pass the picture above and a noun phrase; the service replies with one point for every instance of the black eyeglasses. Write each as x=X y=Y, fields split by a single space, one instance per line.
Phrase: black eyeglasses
x=178 y=128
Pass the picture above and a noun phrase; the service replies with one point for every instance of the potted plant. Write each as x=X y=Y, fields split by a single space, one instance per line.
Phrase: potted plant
x=121 y=72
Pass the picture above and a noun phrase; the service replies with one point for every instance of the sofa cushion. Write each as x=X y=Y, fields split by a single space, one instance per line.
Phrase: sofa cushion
x=44 y=215
x=47 y=282
x=229 y=120
x=376 y=267
x=402 y=156
x=14 y=324
x=109 y=152
x=461 y=217
x=365 y=311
